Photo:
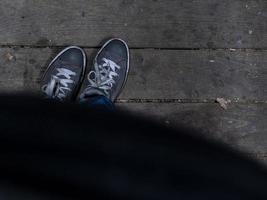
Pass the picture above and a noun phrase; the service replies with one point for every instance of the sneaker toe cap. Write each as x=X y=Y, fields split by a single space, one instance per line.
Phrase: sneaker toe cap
x=73 y=57
x=118 y=48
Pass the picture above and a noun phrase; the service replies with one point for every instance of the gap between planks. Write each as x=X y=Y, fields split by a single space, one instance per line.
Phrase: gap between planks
x=187 y=101
x=233 y=49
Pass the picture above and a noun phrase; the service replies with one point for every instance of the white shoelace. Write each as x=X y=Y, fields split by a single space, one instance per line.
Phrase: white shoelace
x=57 y=87
x=102 y=77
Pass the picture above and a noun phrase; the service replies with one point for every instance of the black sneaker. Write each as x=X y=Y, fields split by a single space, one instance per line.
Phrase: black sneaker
x=109 y=73
x=64 y=74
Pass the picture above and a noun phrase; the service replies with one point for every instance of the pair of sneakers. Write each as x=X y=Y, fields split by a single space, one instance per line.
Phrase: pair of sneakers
x=65 y=79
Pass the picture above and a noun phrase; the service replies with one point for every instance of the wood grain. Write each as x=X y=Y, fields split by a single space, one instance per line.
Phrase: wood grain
x=150 y=23
x=158 y=74
x=242 y=127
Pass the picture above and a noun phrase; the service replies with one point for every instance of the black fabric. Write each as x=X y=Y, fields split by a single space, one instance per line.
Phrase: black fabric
x=50 y=150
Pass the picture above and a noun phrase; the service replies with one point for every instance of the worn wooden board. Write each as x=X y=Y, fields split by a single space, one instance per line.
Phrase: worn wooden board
x=150 y=23
x=239 y=75
x=170 y=76
x=159 y=74
x=242 y=126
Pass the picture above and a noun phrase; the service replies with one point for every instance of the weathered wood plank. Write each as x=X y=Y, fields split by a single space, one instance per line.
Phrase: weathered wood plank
x=242 y=127
x=159 y=74
x=197 y=75
x=150 y=23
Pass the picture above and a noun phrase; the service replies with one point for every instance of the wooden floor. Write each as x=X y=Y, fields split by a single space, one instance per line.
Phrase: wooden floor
x=184 y=55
